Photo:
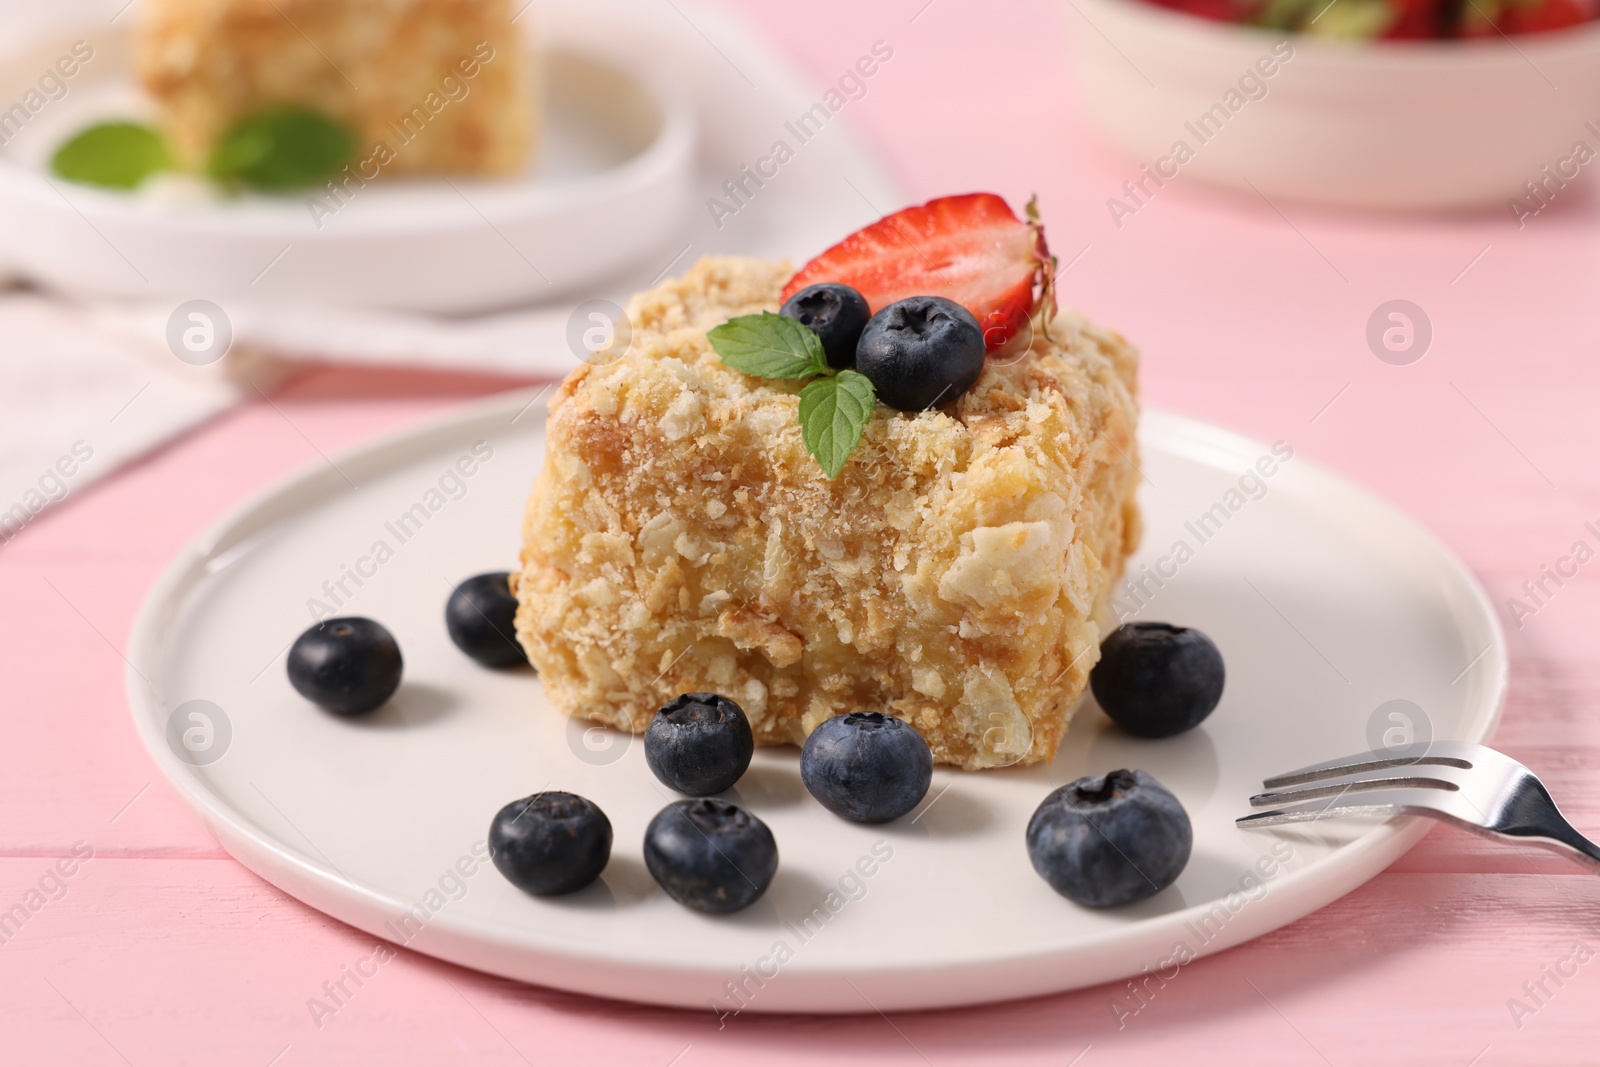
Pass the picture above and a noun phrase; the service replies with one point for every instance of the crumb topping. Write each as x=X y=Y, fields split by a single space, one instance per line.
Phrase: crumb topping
x=680 y=538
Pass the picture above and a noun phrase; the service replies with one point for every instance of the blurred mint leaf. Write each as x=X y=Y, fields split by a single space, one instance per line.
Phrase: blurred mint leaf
x=283 y=148
x=115 y=155
x=833 y=413
x=769 y=346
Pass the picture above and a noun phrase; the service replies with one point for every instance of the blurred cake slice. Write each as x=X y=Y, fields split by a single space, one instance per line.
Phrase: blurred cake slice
x=445 y=85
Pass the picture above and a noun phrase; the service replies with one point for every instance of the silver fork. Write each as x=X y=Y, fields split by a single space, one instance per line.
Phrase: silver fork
x=1458 y=782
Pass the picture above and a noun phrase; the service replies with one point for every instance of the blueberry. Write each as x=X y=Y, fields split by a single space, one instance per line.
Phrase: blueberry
x=1110 y=840
x=550 y=843
x=710 y=855
x=836 y=314
x=866 y=766
x=699 y=744
x=347 y=666
x=1156 y=680
x=922 y=351
x=481 y=616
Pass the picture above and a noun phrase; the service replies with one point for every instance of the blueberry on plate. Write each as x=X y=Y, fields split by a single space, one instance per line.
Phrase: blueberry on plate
x=481 y=616
x=710 y=855
x=866 y=766
x=1156 y=680
x=699 y=744
x=347 y=665
x=836 y=314
x=921 y=351
x=1110 y=840
x=550 y=843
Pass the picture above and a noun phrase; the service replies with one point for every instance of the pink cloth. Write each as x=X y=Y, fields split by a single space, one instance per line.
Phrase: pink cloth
x=161 y=949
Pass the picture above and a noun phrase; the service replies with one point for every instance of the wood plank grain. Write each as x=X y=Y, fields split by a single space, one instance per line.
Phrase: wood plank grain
x=1249 y=315
x=213 y=966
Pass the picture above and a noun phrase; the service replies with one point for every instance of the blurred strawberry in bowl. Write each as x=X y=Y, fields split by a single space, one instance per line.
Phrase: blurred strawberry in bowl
x=1491 y=18
x=1396 y=20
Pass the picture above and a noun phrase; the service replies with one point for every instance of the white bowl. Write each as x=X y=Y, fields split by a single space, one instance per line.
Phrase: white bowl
x=1385 y=124
x=611 y=186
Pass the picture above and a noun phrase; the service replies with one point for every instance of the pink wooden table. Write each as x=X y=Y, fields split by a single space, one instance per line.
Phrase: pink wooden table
x=162 y=950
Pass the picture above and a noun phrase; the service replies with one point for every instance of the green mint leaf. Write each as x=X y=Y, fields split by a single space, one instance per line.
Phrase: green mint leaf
x=283 y=148
x=115 y=155
x=769 y=346
x=833 y=413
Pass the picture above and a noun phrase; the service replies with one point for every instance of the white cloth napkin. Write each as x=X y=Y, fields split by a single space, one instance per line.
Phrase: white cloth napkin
x=77 y=402
x=100 y=375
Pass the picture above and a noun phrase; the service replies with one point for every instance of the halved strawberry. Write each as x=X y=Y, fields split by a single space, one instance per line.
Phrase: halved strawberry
x=971 y=249
x=1543 y=16
x=1414 y=20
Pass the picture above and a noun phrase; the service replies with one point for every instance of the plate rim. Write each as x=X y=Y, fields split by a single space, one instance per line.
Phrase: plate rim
x=472 y=943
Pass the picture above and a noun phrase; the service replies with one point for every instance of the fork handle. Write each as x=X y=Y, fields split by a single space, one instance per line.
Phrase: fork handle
x=1538 y=821
x=1572 y=845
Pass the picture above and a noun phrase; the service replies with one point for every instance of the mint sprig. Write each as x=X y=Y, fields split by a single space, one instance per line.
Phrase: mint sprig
x=769 y=346
x=834 y=407
x=283 y=148
x=833 y=412
x=114 y=155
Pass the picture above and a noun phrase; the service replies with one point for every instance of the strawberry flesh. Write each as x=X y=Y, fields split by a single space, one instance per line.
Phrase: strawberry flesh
x=1545 y=15
x=971 y=249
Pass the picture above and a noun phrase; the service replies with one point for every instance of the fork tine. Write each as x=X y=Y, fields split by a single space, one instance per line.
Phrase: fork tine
x=1380 y=802
x=1436 y=753
x=1353 y=784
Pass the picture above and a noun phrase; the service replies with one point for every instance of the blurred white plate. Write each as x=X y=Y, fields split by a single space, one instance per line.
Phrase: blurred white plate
x=1382 y=124
x=611 y=186
x=1327 y=604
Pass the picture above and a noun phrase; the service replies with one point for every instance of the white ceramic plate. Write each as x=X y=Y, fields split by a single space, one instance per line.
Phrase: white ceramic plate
x=1384 y=124
x=611 y=186
x=1326 y=603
